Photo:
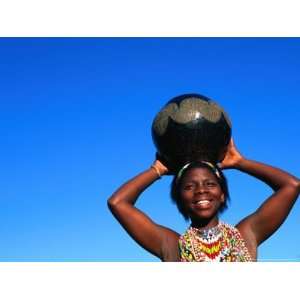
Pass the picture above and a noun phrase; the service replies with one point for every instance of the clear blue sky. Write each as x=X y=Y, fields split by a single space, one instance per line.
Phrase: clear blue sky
x=75 y=123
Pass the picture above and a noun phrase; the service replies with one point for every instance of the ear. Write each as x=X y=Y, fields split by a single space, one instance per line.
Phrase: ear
x=223 y=198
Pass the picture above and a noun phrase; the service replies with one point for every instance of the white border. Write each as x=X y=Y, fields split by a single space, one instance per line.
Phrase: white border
x=167 y=18
x=148 y=280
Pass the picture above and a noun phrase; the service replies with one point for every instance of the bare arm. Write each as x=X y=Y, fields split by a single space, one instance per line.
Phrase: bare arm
x=272 y=213
x=138 y=225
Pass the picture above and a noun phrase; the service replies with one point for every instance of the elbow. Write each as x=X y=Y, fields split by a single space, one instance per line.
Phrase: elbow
x=295 y=183
x=112 y=203
x=298 y=185
x=115 y=203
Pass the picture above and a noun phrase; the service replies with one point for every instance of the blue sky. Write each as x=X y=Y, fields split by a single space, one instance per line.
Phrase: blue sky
x=75 y=123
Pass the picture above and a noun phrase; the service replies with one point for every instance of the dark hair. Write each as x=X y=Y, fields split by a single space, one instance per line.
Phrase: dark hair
x=177 y=180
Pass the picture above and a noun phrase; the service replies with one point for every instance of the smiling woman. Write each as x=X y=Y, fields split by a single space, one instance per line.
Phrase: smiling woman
x=213 y=181
x=200 y=191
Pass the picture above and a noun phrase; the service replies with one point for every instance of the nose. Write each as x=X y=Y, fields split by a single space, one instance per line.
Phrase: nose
x=200 y=189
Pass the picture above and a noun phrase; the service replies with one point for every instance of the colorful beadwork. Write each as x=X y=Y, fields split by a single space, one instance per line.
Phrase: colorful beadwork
x=221 y=243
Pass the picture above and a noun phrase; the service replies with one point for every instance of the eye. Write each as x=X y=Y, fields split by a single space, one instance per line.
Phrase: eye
x=211 y=184
x=188 y=186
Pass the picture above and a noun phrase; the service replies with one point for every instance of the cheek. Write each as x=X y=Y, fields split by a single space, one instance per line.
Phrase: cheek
x=185 y=195
x=185 y=199
x=219 y=194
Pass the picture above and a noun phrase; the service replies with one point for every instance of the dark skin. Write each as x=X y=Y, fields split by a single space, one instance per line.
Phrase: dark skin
x=202 y=197
x=199 y=184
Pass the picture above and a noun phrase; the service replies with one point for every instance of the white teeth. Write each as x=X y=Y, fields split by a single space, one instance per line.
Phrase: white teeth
x=202 y=202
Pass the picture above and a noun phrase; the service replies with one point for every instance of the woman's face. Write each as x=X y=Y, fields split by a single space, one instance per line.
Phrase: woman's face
x=201 y=193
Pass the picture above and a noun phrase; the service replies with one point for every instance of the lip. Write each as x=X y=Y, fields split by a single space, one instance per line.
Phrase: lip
x=201 y=199
x=202 y=204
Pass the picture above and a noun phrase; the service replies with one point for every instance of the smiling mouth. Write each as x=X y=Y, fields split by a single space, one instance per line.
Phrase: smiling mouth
x=202 y=202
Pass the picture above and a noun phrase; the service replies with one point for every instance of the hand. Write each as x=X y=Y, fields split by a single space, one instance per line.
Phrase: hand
x=232 y=157
x=159 y=164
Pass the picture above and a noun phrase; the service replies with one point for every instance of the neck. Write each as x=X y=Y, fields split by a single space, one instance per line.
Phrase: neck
x=205 y=223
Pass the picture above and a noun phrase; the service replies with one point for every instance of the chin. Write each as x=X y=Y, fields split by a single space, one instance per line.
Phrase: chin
x=204 y=214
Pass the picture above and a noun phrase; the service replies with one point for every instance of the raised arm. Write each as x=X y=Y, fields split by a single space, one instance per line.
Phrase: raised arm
x=274 y=210
x=138 y=225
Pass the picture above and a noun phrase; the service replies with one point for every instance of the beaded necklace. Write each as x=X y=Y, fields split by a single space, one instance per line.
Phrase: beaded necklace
x=221 y=243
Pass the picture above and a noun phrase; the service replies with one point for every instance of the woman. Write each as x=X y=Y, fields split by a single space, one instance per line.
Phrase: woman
x=200 y=192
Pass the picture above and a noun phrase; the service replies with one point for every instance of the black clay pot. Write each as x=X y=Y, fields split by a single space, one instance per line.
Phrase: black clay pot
x=191 y=127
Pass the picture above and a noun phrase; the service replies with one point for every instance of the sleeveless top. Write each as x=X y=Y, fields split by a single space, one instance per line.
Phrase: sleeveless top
x=222 y=243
